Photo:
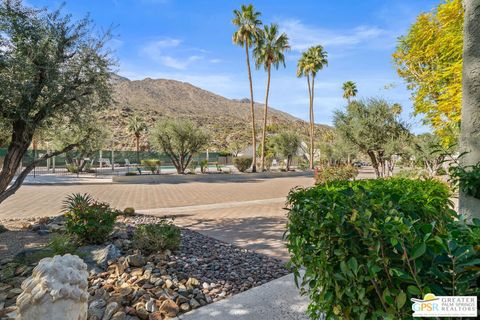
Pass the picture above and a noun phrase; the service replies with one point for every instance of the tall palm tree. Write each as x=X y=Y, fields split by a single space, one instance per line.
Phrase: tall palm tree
x=311 y=61
x=136 y=126
x=469 y=206
x=269 y=51
x=349 y=90
x=248 y=23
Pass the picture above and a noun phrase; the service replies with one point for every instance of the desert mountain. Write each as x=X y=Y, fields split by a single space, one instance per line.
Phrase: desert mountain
x=225 y=119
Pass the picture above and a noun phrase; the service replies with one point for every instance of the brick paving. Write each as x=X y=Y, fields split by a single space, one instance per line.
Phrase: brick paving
x=46 y=200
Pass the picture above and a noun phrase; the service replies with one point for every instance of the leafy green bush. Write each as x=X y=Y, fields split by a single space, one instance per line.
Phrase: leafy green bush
x=150 y=238
x=88 y=220
x=131 y=173
x=467 y=177
x=369 y=246
x=62 y=244
x=242 y=164
x=330 y=173
x=152 y=165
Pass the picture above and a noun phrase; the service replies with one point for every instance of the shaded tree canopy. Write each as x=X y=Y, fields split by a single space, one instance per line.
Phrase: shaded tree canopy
x=51 y=71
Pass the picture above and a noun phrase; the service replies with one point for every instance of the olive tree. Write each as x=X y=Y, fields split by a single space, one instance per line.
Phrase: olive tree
x=88 y=133
x=286 y=145
x=179 y=140
x=51 y=70
x=374 y=127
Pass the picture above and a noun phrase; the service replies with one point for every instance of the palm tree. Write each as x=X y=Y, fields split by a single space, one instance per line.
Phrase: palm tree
x=311 y=61
x=246 y=19
x=349 y=90
x=269 y=51
x=136 y=126
x=469 y=206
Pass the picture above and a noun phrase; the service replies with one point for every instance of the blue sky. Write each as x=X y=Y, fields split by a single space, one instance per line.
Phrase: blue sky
x=191 y=41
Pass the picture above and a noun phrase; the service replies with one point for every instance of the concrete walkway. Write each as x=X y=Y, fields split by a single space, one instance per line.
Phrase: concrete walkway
x=275 y=300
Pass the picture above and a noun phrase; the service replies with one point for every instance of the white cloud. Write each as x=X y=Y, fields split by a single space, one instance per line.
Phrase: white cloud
x=180 y=64
x=303 y=36
x=157 y=51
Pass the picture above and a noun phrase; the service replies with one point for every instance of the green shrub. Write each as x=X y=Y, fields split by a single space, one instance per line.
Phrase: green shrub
x=369 y=246
x=441 y=172
x=415 y=173
x=330 y=173
x=131 y=173
x=242 y=164
x=192 y=166
x=150 y=238
x=203 y=165
x=88 y=220
x=62 y=244
x=152 y=165
x=72 y=168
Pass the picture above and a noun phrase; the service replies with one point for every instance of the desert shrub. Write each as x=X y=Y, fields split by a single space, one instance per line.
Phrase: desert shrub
x=331 y=173
x=72 y=168
x=3 y=228
x=87 y=220
x=150 y=238
x=242 y=164
x=151 y=165
x=302 y=164
x=415 y=173
x=131 y=173
x=192 y=166
x=129 y=211
x=61 y=244
x=203 y=165
x=369 y=246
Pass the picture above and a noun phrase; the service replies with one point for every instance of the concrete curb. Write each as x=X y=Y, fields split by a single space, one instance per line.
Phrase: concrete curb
x=275 y=300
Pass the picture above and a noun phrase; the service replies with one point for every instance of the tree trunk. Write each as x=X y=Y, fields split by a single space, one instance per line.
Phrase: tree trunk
x=375 y=164
x=252 y=110
x=265 y=120
x=21 y=140
x=8 y=191
x=137 y=142
x=310 y=96
x=312 y=123
x=470 y=125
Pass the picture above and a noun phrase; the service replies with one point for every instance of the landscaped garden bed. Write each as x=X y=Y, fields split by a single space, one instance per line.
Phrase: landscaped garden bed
x=129 y=279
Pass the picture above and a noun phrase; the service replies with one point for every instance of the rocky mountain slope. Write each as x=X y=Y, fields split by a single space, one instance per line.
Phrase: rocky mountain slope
x=225 y=119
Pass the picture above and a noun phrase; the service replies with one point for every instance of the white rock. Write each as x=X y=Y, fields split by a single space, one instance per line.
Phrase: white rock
x=56 y=290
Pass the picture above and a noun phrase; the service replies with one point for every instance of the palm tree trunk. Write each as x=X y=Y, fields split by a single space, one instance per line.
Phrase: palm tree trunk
x=470 y=126
x=137 y=142
x=252 y=110
x=310 y=129
x=312 y=121
x=265 y=120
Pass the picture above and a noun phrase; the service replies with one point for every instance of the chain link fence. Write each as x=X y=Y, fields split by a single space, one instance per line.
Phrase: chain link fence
x=108 y=162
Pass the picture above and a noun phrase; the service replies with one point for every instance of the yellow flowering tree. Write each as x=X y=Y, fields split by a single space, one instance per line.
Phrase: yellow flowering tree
x=429 y=58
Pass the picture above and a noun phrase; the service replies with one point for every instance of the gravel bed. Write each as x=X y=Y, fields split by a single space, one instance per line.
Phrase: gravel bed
x=125 y=284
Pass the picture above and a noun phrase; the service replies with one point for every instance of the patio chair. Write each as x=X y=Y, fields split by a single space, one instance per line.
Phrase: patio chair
x=128 y=164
